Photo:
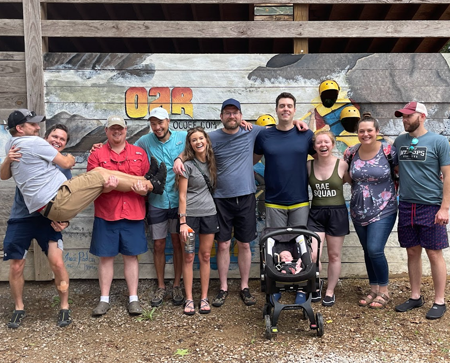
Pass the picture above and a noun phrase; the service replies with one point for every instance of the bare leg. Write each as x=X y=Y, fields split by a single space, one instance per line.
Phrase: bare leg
x=16 y=282
x=204 y=254
x=223 y=263
x=131 y=272
x=188 y=273
x=334 y=246
x=177 y=258
x=159 y=258
x=415 y=270
x=315 y=249
x=55 y=259
x=244 y=262
x=439 y=273
x=105 y=274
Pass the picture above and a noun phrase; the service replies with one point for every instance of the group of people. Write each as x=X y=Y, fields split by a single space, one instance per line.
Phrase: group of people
x=203 y=183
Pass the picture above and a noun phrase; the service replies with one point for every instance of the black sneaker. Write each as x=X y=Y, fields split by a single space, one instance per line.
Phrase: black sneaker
x=410 y=304
x=437 y=311
x=328 y=300
x=64 y=318
x=16 y=319
x=220 y=299
x=158 y=180
x=247 y=298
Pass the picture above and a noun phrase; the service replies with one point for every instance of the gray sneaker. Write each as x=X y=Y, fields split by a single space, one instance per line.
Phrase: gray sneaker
x=134 y=308
x=158 y=298
x=177 y=296
x=101 y=309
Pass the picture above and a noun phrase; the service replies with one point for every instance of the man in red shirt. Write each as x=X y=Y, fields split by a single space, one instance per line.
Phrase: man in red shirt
x=119 y=217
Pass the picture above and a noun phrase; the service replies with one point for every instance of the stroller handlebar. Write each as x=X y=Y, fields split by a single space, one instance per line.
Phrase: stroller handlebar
x=290 y=230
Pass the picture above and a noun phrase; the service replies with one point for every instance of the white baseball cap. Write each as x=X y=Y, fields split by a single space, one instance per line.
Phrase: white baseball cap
x=159 y=112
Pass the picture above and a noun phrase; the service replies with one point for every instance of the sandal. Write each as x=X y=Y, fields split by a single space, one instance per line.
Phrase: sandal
x=189 y=307
x=205 y=308
x=368 y=299
x=382 y=302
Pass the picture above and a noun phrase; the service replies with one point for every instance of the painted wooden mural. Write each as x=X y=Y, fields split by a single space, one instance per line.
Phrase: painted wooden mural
x=82 y=90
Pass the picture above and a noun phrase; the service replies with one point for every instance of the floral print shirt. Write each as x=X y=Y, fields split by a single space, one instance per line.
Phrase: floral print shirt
x=373 y=191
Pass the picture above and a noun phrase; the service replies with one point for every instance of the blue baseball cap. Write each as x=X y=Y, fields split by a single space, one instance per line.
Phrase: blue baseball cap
x=231 y=102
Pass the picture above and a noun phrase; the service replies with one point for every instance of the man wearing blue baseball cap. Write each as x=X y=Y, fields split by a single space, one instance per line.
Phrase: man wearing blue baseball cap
x=424 y=203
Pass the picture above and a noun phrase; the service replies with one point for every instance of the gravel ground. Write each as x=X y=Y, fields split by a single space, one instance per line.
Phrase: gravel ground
x=233 y=333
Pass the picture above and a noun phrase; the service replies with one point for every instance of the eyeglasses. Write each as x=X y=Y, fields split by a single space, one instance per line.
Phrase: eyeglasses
x=118 y=162
x=413 y=145
x=228 y=114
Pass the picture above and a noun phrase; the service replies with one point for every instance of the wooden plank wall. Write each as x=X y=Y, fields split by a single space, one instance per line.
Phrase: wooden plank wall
x=82 y=90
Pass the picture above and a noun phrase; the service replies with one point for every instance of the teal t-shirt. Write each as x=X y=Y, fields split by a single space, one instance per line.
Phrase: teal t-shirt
x=167 y=152
x=419 y=170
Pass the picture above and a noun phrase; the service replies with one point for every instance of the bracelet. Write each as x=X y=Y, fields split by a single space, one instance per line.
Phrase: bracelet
x=178 y=158
x=182 y=223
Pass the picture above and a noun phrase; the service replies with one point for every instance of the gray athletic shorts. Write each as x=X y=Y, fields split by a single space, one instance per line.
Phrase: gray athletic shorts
x=289 y=216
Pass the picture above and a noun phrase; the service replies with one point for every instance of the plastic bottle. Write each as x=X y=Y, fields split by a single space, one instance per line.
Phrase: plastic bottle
x=189 y=246
x=301 y=241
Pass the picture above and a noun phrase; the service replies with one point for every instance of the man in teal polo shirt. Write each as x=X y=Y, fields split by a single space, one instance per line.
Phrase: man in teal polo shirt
x=165 y=145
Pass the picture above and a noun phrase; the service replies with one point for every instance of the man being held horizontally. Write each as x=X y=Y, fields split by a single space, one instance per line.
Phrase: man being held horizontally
x=45 y=188
x=424 y=204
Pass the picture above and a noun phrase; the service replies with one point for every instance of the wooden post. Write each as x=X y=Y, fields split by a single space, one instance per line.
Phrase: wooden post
x=34 y=69
x=301 y=13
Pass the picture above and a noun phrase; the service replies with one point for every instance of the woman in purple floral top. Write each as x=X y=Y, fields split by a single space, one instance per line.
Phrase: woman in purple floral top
x=373 y=205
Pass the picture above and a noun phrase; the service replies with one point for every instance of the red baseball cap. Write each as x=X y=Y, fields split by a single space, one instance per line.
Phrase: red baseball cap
x=410 y=108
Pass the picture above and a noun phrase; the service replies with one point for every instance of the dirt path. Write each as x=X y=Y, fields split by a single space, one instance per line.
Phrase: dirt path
x=233 y=333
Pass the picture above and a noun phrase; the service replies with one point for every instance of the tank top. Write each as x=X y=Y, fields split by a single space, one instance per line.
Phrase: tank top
x=328 y=192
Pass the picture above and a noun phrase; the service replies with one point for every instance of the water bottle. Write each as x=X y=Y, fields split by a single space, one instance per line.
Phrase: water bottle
x=189 y=246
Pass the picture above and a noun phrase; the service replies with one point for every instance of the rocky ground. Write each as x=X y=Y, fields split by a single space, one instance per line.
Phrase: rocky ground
x=233 y=333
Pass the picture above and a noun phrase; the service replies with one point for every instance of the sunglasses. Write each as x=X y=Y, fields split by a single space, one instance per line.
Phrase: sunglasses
x=30 y=114
x=413 y=145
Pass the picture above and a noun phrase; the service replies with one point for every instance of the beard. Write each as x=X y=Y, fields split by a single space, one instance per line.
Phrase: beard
x=413 y=126
x=229 y=126
x=163 y=136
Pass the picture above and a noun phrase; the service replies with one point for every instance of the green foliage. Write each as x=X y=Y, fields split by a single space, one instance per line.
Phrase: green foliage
x=146 y=315
x=182 y=352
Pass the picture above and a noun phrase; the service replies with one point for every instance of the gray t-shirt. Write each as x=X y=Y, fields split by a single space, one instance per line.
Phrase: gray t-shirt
x=37 y=178
x=419 y=170
x=234 y=160
x=199 y=201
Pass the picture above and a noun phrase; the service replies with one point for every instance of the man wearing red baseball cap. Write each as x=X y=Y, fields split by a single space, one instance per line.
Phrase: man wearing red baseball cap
x=424 y=204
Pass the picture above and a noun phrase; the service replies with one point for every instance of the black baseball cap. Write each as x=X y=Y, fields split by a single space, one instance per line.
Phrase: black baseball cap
x=21 y=116
x=231 y=102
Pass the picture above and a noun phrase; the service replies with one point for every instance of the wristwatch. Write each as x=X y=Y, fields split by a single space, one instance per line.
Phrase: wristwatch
x=182 y=215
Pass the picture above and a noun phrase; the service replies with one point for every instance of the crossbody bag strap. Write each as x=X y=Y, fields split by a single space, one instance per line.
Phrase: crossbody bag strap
x=207 y=181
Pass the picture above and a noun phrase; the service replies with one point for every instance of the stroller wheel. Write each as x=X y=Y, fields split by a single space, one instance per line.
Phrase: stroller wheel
x=268 y=327
x=319 y=319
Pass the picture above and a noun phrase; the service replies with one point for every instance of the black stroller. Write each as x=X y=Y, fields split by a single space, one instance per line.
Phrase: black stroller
x=296 y=240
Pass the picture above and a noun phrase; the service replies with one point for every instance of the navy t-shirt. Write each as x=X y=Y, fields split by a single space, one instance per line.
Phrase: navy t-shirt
x=286 y=154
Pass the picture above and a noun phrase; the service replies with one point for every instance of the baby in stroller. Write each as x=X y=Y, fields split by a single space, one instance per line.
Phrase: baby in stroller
x=287 y=265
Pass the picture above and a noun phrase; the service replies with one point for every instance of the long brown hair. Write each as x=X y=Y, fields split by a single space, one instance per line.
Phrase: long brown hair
x=189 y=153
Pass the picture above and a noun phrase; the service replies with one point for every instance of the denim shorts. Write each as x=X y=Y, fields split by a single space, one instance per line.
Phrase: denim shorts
x=21 y=231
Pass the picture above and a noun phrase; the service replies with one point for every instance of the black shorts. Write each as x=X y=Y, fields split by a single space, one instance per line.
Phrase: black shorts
x=332 y=220
x=203 y=225
x=237 y=212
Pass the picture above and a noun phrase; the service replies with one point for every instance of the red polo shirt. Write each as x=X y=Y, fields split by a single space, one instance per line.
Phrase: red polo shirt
x=116 y=205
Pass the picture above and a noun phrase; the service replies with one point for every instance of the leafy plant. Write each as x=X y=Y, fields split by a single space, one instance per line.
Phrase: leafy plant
x=182 y=352
x=57 y=300
x=146 y=315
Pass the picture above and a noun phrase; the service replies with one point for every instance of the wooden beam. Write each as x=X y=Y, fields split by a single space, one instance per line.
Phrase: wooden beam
x=33 y=55
x=301 y=13
x=240 y=29
x=274 y=2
